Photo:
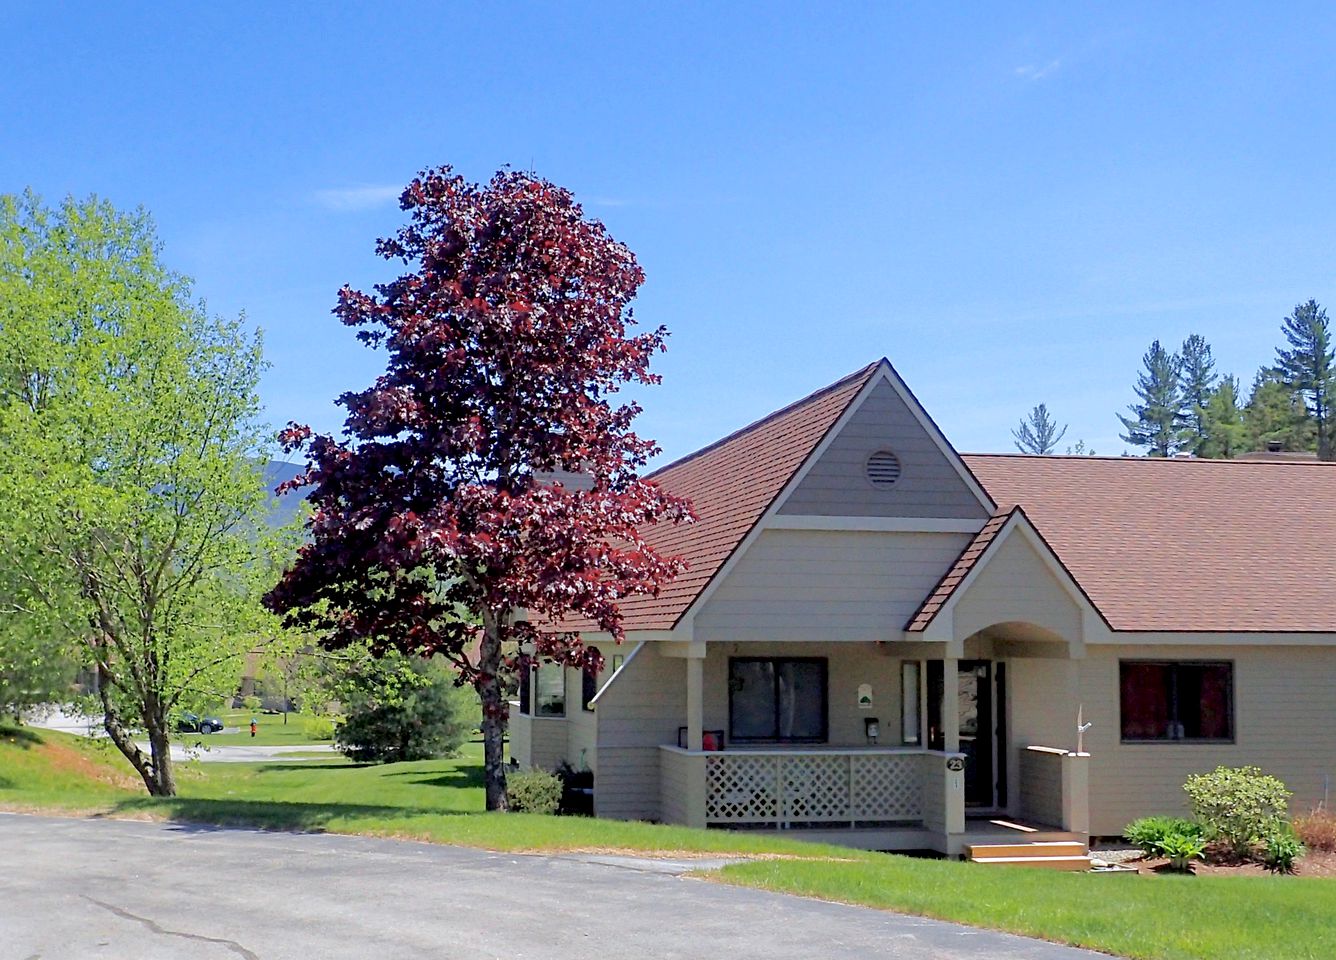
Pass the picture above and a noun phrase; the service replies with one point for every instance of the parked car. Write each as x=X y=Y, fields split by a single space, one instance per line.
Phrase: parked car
x=194 y=723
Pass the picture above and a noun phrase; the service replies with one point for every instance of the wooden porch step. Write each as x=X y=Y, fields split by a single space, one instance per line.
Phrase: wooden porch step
x=993 y=851
x=1043 y=862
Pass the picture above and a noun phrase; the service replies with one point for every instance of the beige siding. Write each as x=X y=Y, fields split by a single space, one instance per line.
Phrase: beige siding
x=929 y=485
x=1015 y=585
x=675 y=784
x=847 y=666
x=520 y=730
x=1040 y=700
x=1041 y=786
x=827 y=585
x=547 y=742
x=1284 y=719
x=642 y=710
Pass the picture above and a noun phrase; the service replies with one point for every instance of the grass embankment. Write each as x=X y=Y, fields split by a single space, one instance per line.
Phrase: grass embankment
x=1162 y=918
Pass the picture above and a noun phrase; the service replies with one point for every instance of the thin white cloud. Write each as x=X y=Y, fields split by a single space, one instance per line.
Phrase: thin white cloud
x=368 y=197
x=1032 y=71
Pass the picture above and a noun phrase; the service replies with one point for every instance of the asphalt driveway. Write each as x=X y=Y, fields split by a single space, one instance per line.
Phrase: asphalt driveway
x=112 y=889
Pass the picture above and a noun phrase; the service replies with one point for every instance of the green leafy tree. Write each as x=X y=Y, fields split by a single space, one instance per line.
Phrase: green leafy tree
x=132 y=506
x=1038 y=432
x=403 y=707
x=1308 y=368
x=1156 y=420
x=1197 y=379
x=1275 y=414
x=1226 y=432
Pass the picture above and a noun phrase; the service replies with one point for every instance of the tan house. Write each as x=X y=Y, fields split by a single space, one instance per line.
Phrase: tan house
x=884 y=643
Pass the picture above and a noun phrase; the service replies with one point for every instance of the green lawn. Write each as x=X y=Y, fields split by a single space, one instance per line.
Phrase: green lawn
x=271 y=730
x=1163 y=918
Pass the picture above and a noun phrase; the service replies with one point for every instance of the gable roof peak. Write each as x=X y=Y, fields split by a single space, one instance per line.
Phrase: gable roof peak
x=859 y=377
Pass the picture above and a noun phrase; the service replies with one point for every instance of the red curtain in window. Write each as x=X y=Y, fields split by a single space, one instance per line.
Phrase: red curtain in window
x=1145 y=696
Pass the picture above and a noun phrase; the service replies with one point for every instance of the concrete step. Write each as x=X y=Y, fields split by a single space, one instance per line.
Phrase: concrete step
x=992 y=851
x=1044 y=863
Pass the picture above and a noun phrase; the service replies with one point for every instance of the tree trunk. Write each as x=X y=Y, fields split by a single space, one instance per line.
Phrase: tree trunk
x=493 y=717
x=156 y=769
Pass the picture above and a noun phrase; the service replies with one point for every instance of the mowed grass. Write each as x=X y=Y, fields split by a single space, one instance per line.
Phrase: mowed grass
x=1162 y=918
x=271 y=731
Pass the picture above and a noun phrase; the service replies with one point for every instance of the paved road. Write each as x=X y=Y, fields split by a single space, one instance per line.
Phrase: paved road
x=244 y=753
x=72 y=889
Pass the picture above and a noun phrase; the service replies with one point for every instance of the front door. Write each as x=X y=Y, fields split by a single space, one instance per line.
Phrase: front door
x=979 y=693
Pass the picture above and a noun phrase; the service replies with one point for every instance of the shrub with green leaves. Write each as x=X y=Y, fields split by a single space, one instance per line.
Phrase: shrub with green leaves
x=1281 y=849
x=1238 y=805
x=1181 y=849
x=534 y=791
x=401 y=707
x=1148 y=834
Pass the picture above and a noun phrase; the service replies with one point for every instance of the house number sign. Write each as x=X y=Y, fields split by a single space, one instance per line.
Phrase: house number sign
x=955 y=764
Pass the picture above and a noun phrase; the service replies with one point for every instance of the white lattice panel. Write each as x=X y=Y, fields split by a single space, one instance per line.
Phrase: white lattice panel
x=886 y=787
x=741 y=789
x=816 y=787
x=813 y=787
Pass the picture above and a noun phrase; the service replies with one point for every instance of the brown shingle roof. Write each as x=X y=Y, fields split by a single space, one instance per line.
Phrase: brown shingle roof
x=731 y=483
x=1184 y=544
x=958 y=572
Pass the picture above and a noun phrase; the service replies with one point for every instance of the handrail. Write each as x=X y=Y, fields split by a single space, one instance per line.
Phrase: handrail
x=814 y=751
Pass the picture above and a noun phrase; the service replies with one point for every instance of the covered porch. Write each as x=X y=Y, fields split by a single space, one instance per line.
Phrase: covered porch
x=939 y=766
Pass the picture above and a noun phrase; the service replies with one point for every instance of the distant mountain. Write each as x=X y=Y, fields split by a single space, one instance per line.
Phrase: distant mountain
x=287 y=507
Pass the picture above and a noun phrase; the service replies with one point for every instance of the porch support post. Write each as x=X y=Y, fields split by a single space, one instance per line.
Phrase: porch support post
x=951 y=704
x=695 y=701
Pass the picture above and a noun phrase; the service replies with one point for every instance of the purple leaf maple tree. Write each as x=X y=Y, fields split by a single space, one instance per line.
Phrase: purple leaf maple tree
x=436 y=526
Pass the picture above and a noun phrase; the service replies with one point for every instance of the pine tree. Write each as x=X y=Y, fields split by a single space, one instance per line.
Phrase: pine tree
x=1275 y=414
x=1038 y=433
x=1226 y=434
x=1156 y=420
x=1197 y=378
x=1309 y=368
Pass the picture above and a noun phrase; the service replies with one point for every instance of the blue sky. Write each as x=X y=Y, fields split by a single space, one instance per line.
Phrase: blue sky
x=1009 y=201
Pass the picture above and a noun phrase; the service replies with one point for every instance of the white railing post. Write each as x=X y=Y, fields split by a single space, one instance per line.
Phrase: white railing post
x=1076 y=793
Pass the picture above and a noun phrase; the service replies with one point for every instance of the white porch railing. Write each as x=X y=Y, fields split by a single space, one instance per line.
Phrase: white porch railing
x=784 y=787
x=1055 y=787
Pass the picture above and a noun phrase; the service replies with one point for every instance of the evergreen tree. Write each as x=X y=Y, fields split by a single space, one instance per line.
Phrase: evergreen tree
x=1038 y=433
x=1309 y=368
x=1197 y=378
x=1275 y=414
x=1226 y=434
x=1156 y=420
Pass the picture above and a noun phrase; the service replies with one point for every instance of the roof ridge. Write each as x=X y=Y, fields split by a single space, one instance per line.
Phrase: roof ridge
x=1153 y=460
x=756 y=424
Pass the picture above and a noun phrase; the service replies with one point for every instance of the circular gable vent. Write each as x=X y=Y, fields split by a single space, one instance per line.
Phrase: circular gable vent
x=883 y=468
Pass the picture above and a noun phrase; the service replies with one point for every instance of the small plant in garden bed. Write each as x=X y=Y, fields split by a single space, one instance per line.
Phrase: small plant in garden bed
x=1149 y=833
x=1182 y=850
x=1281 y=850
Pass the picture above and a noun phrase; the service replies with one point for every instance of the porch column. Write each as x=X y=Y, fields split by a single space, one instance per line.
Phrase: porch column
x=695 y=701
x=951 y=704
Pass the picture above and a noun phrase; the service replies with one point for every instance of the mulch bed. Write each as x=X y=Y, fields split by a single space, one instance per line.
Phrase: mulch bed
x=1315 y=863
